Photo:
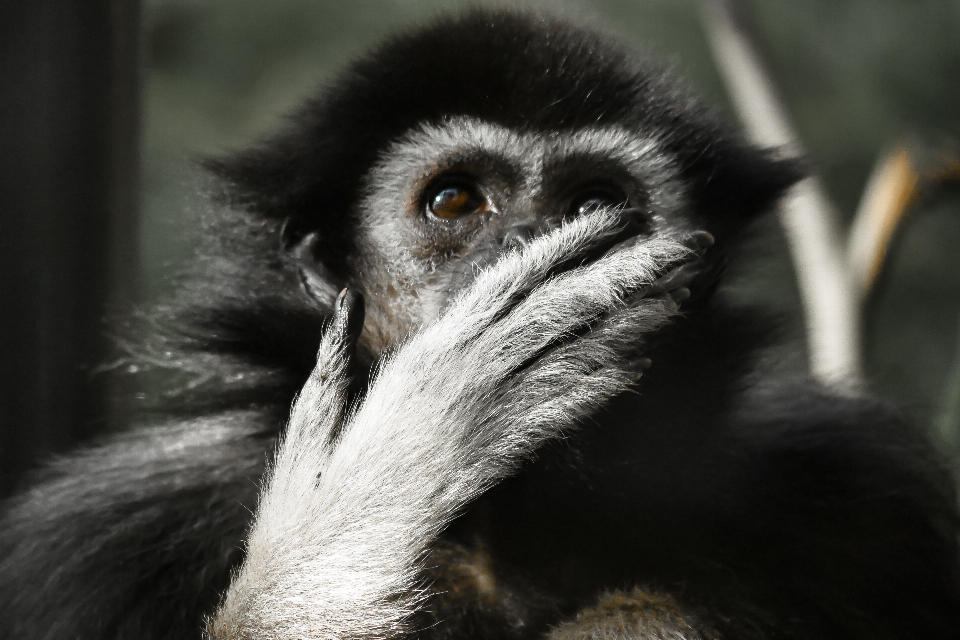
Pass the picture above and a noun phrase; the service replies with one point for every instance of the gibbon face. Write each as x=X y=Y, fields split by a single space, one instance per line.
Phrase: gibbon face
x=446 y=200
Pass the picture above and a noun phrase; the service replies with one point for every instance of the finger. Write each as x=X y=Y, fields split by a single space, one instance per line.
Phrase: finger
x=348 y=317
x=500 y=287
x=565 y=308
x=347 y=324
x=584 y=373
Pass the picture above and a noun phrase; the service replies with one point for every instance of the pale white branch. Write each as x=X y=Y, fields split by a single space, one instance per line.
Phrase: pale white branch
x=807 y=215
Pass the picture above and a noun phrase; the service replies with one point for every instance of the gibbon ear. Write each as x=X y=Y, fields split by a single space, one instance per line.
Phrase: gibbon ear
x=293 y=178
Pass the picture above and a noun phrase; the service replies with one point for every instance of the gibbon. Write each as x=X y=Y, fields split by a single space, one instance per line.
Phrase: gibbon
x=457 y=263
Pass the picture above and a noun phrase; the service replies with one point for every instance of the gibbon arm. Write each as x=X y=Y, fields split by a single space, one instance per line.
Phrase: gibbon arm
x=356 y=497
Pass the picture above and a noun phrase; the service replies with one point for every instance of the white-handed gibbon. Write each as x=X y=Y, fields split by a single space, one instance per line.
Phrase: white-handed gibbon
x=488 y=228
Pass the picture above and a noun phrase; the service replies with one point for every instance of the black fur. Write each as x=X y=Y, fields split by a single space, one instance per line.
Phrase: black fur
x=767 y=509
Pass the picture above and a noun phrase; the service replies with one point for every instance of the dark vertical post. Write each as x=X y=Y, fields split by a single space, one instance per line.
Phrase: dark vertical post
x=69 y=120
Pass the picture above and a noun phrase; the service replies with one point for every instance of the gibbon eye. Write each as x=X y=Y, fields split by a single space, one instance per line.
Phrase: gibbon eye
x=596 y=198
x=457 y=200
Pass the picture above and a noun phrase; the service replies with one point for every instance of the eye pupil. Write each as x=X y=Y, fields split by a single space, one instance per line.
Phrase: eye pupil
x=456 y=200
x=593 y=204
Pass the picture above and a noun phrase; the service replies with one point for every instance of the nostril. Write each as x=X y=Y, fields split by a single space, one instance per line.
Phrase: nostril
x=517 y=237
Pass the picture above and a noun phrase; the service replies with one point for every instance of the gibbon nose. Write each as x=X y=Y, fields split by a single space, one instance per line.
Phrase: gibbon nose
x=518 y=236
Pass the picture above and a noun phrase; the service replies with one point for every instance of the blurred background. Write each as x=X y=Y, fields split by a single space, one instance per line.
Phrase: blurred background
x=105 y=108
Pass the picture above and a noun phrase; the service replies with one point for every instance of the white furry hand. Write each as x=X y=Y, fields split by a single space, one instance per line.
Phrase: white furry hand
x=533 y=346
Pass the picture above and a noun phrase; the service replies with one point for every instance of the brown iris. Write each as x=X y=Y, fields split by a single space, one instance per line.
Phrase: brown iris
x=456 y=200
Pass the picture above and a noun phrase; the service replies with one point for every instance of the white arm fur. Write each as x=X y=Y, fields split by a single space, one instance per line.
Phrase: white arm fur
x=344 y=523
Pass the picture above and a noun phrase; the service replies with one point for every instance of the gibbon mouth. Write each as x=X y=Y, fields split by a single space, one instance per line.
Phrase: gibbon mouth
x=636 y=228
x=674 y=283
x=677 y=277
x=670 y=289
